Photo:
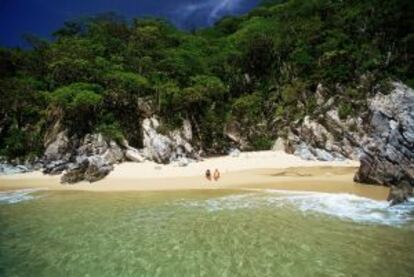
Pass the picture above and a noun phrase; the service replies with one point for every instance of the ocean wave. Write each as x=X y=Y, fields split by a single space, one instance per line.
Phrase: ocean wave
x=16 y=196
x=339 y=205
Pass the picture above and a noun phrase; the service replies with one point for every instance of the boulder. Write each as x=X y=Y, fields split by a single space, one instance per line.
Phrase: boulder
x=90 y=169
x=97 y=169
x=169 y=147
x=400 y=194
x=55 y=167
x=388 y=153
x=134 y=155
x=279 y=145
x=157 y=146
x=59 y=148
x=183 y=162
x=9 y=169
x=304 y=152
x=113 y=154
x=234 y=153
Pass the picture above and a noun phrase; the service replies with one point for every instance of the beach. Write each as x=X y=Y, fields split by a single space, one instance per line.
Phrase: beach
x=248 y=171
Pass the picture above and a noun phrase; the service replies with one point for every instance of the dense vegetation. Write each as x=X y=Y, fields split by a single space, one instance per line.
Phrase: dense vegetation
x=260 y=70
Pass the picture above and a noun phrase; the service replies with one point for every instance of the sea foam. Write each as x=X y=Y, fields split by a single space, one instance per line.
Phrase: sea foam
x=13 y=197
x=340 y=205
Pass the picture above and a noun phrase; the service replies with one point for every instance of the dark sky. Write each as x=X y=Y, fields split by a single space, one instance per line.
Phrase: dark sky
x=42 y=17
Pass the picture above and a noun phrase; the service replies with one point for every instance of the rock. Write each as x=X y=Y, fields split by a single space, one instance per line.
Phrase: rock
x=183 y=162
x=400 y=194
x=233 y=131
x=92 y=144
x=97 y=169
x=113 y=154
x=388 y=153
x=144 y=107
x=303 y=151
x=319 y=94
x=279 y=145
x=167 y=148
x=55 y=167
x=59 y=148
x=90 y=169
x=323 y=155
x=187 y=130
x=234 y=153
x=134 y=155
x=74 y=175
x=157 y=146
x=9 y=169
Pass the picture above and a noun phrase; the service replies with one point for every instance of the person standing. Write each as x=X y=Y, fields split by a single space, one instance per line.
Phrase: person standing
x=208 y=174
x=216 y=175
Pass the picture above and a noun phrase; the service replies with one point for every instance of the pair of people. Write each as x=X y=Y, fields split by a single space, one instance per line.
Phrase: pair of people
x=216 y=175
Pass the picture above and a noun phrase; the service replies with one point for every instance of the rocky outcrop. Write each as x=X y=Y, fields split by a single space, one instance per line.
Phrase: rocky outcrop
x=90 y=158
x=332 y=140
x=388 y=153
x=166 y=148
x=89 y=169
x=9 y=169
x=59 y=148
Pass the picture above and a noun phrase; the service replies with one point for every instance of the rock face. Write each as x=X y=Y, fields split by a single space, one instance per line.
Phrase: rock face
x=333 y=140
x=58 y=149
x=388 y=154
x=90 y=158
x=8 y=169
x=166 y=148
x=90 y=169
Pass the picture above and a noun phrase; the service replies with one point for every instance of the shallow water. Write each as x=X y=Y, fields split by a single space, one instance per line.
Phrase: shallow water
x=203 y=233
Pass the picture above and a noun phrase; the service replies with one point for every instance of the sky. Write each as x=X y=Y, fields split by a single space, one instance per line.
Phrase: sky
x=42 y=17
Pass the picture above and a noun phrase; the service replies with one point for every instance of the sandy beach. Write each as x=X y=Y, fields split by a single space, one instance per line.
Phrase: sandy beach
x=249 y=171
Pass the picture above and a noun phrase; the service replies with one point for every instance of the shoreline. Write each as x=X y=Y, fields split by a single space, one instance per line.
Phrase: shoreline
x=250 y=171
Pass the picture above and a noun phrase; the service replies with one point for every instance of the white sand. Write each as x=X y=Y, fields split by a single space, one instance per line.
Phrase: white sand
x=251 y=170
x=225 y=164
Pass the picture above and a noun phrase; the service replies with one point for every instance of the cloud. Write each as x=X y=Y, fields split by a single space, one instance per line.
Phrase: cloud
x=212 y=10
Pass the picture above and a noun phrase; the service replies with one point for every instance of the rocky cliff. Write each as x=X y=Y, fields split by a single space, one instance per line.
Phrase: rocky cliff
x=388 y=152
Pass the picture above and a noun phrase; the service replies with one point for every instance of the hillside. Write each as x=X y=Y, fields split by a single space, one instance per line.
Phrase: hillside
x=301 y=73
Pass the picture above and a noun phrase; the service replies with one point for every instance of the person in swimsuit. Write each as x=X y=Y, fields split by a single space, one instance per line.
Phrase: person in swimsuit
x=208 y=174
x=216 y=175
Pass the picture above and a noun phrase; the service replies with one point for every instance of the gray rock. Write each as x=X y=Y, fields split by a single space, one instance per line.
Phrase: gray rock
x=400 y=194
x=55 y=167
x=303 y=151
x=183 y=162
x=323 y=155
x=279 y=145
x=166 y=148
x=388 y=154
x=134 y=155
x=113 y=154
x=234 y=153
x=97 y=169
x=157 y=146
x=91 y=169
x=59 y=148
x=9 y=169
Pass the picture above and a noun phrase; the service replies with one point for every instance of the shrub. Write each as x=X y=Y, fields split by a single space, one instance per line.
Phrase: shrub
x=344 y=110
x=262 y=143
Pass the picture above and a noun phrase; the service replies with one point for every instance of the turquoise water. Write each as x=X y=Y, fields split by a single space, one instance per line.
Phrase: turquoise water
x=203 y=233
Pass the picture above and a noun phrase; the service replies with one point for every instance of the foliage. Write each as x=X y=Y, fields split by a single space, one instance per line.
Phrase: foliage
x=255 y=69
